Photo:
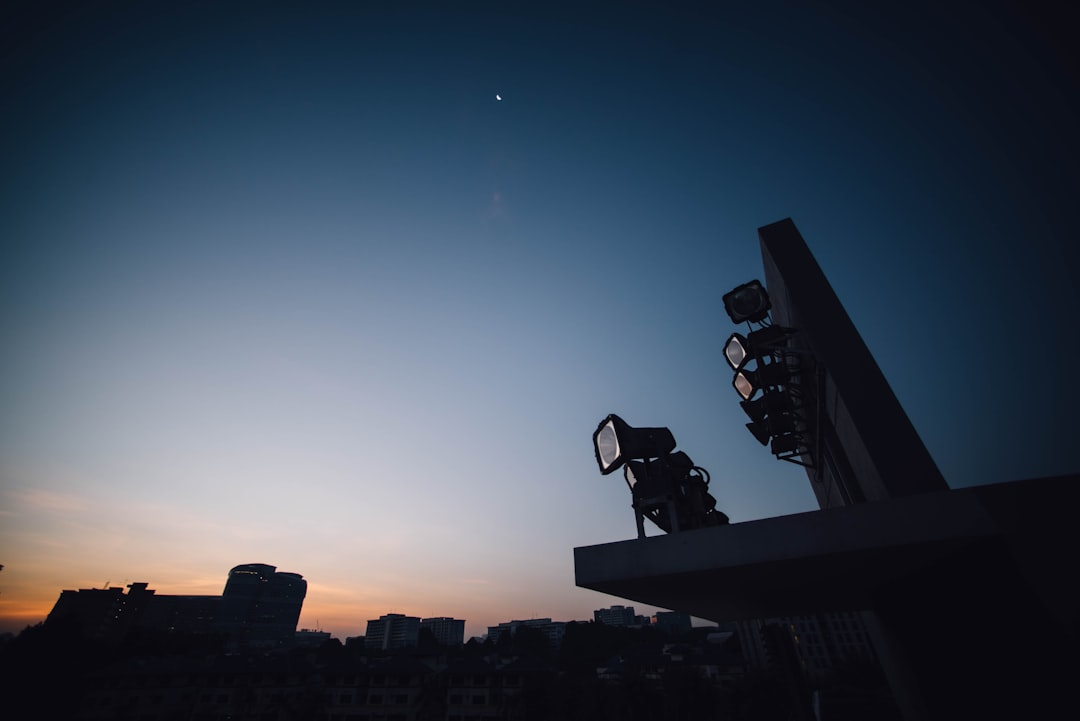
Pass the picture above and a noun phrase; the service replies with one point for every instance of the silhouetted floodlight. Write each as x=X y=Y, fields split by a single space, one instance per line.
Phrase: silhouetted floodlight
x=615 y=442
x=749 y=302
x=667 y=488
x=653 y=489
x=635 y=472
x=768 y=404
x=785 y=444
x=671 y=492
x=736 y=351
x=654 y=477
x=748 y=382
x=771 y=427
x=761 y=433
x=740 y=349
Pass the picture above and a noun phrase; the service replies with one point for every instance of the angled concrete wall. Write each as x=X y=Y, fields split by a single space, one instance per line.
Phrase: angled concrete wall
x=867 y=432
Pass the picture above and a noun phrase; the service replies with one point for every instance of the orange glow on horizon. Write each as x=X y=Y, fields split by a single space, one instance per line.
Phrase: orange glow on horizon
x=15 y=617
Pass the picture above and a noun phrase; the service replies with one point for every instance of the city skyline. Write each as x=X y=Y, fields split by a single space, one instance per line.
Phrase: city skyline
x=292 y=286
x=212 y=614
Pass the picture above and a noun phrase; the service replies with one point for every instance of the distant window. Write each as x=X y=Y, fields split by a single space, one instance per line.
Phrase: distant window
x=455 y=698
x=375 y=699
x=478 y=700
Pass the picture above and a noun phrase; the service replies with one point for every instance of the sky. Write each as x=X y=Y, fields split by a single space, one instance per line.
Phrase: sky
x=285 y=283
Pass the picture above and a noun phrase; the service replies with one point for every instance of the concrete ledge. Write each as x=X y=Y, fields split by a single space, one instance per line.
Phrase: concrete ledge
x=841 y=558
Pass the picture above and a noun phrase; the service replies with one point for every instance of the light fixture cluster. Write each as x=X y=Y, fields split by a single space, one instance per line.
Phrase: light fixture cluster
x=666 y=486
x=767 y=375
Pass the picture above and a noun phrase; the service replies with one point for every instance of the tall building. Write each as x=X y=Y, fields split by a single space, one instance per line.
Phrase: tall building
x=393 y=630
x=447 y=631
x=615 y=616
x=260 y=605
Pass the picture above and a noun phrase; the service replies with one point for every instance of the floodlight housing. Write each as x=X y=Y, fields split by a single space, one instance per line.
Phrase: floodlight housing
x=644 y=477
x=671 y=492
x=748 y=302
x=761 y=433
x=748 y=382
x=615 y=442
x=741 y=349
x=769 y=404
x=772 y=427
x=785 y=444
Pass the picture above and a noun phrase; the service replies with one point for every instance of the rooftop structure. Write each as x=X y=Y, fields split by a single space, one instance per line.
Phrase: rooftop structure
x=933 y=570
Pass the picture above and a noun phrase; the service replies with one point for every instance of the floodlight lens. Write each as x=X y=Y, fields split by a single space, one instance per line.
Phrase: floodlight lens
x=735 y=351
x=607 y=445
x=743 y=385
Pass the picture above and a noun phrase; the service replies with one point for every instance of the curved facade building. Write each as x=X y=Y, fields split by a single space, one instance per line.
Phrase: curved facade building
x=260 y=605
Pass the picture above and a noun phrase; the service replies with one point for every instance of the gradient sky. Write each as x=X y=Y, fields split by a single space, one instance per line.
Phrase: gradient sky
x=285 y=283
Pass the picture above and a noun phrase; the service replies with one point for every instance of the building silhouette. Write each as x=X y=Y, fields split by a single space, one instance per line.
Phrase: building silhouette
x=392 y=630
x=102 y=614
x=259 y=608
x=447 y=631
x=181 y=614
x=616 y=616
x=397 y=631
x=553 y=631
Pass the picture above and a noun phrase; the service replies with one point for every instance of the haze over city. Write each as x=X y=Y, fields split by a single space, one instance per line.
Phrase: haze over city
x=290 y=285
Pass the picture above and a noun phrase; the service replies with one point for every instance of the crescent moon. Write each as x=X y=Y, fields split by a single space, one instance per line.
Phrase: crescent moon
x=498 y=97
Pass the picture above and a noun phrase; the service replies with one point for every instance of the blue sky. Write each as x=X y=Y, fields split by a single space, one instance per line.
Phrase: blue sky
x=287 y=284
